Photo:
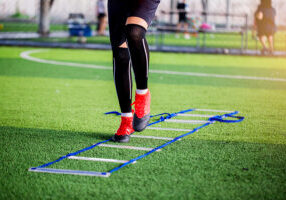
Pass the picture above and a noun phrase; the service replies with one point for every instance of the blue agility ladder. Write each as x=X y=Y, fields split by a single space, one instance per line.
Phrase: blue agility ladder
x=162 y=118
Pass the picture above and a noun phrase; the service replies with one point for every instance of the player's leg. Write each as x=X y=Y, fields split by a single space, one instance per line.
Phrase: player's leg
x=102 y=25
x=270 y=43
x=121 y=67
x=186 y=27
x=139 y=51
x=98 y=24
x=263 y=43
x=179 y=25
x=142 y=12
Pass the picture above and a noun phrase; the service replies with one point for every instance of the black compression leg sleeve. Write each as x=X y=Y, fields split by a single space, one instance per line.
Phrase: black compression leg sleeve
x=122 y=78
x=139 y=52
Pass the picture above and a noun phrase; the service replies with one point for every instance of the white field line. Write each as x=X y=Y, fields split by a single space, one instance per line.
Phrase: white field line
x=99 y=159
x=186 y=121
x=194 y=115
x=26 y=55
x=218 y=75
x=169 y=129
x=151 y=137
x=67 y=171
x=126 y=147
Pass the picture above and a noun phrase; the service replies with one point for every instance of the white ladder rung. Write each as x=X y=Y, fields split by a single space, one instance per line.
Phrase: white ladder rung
x=187 y=121
x=151 y=137
x=194 y=115
x=211 y=110
x=99 y=159
x=68 y=171
x=127 y=147
x=169 y=129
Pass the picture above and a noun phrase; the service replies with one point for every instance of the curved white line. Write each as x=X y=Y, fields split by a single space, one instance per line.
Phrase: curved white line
x=26 y=55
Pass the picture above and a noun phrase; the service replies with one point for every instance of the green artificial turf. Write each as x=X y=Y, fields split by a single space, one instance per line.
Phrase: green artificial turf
x=47 y=111
x=28 y=27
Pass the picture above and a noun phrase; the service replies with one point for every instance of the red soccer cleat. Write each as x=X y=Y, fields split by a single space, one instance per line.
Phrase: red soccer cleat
x=124 y=131
x=142 y=111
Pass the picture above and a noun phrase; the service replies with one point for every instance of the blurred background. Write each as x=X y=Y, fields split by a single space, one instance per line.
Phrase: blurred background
x=217 y=26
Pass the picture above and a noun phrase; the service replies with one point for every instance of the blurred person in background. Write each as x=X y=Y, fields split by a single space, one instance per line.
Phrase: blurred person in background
x=128 y=23
x=101 y=17
x=183 y=8
x=264 y=24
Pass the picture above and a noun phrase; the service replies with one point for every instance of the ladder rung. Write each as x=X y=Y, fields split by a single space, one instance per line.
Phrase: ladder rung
x=152 y=137
x=211 y=110
x=194 y=115
x=127 y=147
x=169 y=129
x=68 y=171
x=99 y=159
x=187 y=121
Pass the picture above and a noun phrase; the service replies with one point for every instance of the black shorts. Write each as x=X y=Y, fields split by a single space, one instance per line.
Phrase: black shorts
x=182 y=18
x=120 y=10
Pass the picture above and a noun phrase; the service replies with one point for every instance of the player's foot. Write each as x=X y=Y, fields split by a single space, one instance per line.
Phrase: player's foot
x=142 y=111
x=125 y=130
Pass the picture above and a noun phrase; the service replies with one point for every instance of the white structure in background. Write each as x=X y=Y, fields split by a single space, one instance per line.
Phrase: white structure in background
x=62 y=8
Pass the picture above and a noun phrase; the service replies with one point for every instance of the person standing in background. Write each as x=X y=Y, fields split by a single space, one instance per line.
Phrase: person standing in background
x=101 y=17
x=182 y=8
x=264 y=24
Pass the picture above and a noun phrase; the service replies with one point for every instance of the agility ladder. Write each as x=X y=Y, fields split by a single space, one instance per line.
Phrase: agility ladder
x=164 y=117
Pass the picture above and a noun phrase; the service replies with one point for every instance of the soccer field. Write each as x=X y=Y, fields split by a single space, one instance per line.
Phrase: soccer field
x=53 y=104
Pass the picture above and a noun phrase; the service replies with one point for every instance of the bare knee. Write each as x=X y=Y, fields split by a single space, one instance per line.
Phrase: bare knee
x=123 y=45
x=138 y=21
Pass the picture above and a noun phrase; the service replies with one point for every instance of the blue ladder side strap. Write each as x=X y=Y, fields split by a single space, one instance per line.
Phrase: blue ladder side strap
x=112 y=112
x=185 y=111
x=219 y=118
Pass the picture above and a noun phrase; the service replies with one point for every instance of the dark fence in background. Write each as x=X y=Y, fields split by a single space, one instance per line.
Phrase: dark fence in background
x=221 y=31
